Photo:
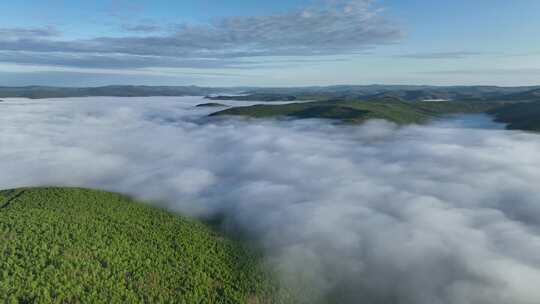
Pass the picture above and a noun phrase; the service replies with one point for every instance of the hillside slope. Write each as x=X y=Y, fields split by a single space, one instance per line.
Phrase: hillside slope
x=60 y=245
x=519 y=116
x=359 y=111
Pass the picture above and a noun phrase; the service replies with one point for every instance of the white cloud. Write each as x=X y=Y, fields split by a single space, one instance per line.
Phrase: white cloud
x=339 y=27
x=420 y=214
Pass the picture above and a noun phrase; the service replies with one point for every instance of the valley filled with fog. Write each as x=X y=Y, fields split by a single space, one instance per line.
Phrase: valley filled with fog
x=447 y=212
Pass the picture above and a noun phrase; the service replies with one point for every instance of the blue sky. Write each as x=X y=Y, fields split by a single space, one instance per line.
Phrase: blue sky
x=270 y=43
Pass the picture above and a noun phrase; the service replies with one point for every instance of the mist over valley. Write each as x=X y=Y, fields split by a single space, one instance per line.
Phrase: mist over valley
x=270 y=152
x=444 y=212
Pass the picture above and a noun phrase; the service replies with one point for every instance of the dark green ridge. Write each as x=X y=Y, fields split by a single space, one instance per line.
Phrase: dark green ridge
x=69 y=245
x=210 y=105
x=258 y=97
x=360 y=111
x=519 y=116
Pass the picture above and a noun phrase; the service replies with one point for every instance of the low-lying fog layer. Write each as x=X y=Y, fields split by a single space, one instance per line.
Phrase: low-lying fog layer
x=446 y=213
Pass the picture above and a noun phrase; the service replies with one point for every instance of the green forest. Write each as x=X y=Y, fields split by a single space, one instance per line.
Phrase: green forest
x=65 y=245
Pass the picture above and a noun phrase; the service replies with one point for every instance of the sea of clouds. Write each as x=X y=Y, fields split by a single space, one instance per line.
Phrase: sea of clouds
x=443 y=213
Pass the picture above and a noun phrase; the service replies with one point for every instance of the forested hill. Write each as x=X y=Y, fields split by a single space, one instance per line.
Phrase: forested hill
x=60 y=245
x=360 y=111
x=516 y=115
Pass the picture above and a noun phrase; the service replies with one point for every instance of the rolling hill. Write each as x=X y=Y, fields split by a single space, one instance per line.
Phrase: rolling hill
x=405 y=93
x=359 y=111
x=532 y=95
x=345 y=92
x=519 y=116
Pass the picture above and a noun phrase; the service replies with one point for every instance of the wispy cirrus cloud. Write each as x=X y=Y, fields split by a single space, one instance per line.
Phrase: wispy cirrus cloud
x=337 y=27
x=25 y=33
x=114 y=60
x=440 y=55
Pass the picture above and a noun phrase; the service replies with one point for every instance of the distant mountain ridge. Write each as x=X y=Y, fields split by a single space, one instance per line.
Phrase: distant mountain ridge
x=37 y=92
x=394 y=93
x=350 y=92
x=531 y=95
